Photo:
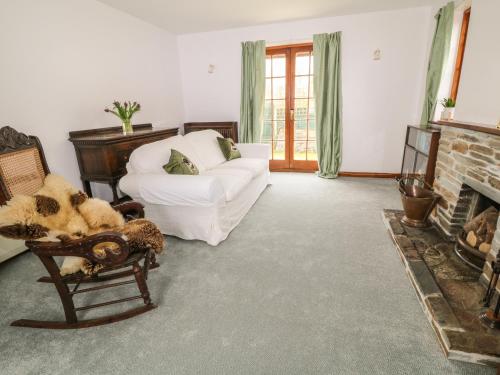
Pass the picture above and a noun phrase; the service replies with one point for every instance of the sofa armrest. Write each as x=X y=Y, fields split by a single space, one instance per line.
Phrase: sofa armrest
x=173 y=190
x=255 y=150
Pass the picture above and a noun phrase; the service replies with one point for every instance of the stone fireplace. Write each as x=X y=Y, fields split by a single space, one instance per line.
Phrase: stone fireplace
x=467 y=174
x=451 y=290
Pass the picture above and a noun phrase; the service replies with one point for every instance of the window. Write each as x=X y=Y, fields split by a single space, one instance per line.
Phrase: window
x=460 y=55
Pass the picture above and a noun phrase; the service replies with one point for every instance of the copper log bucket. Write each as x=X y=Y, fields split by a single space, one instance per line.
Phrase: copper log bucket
x=418 y=202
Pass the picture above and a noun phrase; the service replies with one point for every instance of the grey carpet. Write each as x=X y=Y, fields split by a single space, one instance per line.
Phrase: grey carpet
x=308 y=283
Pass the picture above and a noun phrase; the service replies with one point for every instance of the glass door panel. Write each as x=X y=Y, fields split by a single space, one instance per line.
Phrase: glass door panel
x=289 y=112
x=304 y=154
x=275 y=106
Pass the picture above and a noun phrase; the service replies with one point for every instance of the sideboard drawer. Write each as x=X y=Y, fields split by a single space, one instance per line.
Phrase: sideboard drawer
x=122 y=157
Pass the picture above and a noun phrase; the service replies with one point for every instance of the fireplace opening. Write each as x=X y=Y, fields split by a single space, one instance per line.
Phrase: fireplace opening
x=474 y=241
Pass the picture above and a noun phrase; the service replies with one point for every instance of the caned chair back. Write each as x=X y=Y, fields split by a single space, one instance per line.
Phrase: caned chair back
x=22 y=164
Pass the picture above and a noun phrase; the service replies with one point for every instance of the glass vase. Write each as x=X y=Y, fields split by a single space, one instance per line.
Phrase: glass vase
x=127 y=127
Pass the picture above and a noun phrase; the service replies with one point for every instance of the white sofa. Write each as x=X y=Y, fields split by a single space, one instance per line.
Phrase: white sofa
x=206 y=206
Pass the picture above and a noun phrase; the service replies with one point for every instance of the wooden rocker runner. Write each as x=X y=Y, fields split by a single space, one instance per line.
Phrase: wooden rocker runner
x=22 y=156
x=117 y=257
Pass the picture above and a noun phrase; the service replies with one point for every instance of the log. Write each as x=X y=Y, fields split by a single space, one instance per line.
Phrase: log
x=490 y=233
x=490 y=214
x=481 y=229
x=471 y=238
x=485 y=247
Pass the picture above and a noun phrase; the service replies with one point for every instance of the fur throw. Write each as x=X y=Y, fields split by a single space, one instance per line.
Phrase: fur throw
x=60 y=212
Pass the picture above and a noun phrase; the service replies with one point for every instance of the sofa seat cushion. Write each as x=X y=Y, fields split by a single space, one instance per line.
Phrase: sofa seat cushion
x=233 y=180
x=206 y=145
x=173 y=189
x=254 y=166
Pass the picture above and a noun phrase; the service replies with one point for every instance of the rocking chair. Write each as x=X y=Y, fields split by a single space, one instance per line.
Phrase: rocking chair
x=22 y=171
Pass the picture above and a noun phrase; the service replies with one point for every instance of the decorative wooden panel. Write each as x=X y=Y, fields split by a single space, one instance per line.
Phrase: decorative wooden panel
x=228 y=129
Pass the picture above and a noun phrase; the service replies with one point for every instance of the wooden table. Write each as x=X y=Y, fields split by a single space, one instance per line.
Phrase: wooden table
x=103 y=153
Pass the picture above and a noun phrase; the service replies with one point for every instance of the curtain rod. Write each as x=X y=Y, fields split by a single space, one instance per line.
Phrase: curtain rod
x=286 y=42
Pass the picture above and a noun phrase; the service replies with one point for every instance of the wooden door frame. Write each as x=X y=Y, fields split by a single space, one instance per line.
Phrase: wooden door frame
x=298 y=165
x=289 y=164
x=282 y=50
x=460 y=54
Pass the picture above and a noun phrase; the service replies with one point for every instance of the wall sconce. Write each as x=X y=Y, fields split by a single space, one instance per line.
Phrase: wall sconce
x=211 y=68
x=376 y=54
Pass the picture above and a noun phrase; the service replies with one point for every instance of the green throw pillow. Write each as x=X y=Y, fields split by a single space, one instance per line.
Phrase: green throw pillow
x=180 y=164
x=228 y=148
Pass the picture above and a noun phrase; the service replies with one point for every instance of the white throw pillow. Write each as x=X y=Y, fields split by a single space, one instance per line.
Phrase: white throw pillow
x=151 y=157
x=207 y=147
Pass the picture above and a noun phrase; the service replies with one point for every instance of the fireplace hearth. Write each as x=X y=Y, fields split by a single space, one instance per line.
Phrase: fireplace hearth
x=449 y=291
x=450 y=266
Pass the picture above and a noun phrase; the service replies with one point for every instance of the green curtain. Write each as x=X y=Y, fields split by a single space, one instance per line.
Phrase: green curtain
x=440 y=51
x=328 y=98
x=253 y=86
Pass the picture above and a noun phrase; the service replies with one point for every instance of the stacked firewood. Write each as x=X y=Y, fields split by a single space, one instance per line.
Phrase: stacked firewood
x=481 y=229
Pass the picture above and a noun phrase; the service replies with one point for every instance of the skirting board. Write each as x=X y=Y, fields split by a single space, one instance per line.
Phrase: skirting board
x=347 y=174
x=370 y=174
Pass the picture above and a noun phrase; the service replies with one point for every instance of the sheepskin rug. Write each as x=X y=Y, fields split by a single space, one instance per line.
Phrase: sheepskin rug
x=61 y=212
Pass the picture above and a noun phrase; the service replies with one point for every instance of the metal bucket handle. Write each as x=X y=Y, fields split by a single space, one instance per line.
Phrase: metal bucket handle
x=400 y=180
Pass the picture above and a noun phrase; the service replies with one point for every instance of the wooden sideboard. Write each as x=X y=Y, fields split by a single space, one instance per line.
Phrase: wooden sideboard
x=103 y=153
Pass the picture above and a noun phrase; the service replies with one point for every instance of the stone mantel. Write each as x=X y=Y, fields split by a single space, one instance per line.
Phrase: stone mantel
x=468 y=126
x=486 y=190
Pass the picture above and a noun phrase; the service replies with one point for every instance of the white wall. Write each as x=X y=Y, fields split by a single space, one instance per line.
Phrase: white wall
x=63 y=61
x=479 y=91
x=380 y=97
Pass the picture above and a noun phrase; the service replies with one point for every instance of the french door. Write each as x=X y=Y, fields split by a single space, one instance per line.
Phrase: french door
x=289 y=112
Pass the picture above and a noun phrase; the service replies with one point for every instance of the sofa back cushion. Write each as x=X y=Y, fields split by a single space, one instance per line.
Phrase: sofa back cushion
x=206 y=146
x=151 y=157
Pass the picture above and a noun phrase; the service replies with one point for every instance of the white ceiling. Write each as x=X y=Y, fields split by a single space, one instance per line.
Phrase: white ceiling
x=189 y=16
